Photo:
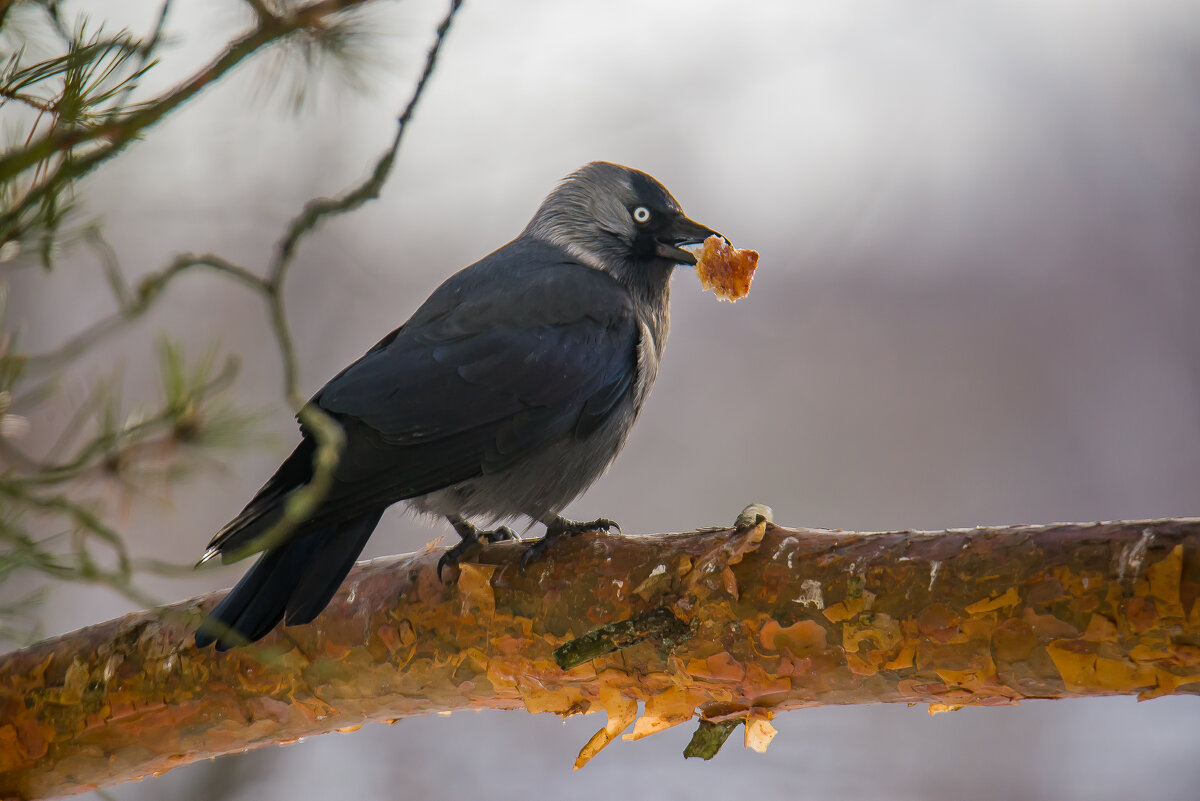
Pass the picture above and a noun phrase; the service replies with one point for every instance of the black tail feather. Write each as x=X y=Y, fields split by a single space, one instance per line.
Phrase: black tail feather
x=328 y=568
x=296 y=579
x=266 y=507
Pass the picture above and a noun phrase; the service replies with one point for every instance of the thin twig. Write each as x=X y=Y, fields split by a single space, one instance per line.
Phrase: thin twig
x=87 y=455
x=108 y=261
x=144 y=296
x=318 y=209
x=29 y=100
x=82 y=517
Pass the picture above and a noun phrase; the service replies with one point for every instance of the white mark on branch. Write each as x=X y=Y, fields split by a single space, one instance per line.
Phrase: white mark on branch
x=934 y=567
x=787 y=542
x=111 y=665
x=810 y=594
x=1129 y=561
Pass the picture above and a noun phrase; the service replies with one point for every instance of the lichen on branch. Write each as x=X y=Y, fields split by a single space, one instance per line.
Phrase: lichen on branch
x=778 y=619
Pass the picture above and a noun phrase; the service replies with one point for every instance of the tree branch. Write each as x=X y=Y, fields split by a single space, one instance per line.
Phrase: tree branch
x=733 y=624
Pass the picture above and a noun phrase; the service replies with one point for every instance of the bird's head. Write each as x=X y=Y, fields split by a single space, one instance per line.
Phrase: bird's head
x=620 y=220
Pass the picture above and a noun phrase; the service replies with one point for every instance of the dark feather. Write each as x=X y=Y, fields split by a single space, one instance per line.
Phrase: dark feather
x=295 y=579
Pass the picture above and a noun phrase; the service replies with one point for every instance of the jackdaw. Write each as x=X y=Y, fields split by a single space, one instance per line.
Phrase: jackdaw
x=507 y=393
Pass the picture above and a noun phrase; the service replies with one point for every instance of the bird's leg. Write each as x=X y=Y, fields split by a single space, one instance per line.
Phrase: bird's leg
x=471 y=544
x=561 y=528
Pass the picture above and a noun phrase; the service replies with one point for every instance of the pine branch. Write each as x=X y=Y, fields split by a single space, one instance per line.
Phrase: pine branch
x=127 y=440
x=120 y=131
x=733 y=625
x=87 y=147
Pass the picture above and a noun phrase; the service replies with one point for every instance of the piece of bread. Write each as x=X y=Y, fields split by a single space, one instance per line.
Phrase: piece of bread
x=724 y=270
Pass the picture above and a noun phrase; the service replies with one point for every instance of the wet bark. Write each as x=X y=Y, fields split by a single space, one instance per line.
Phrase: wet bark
x=728 y=625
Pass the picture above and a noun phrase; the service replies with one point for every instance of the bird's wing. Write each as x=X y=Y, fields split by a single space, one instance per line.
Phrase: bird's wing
x=483 y=385
x=521 y=349
x=518 y=351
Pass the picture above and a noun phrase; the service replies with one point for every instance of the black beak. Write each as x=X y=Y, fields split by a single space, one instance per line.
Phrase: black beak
x=682 y=231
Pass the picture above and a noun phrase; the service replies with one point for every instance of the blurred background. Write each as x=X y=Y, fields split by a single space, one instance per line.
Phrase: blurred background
x=980 y=236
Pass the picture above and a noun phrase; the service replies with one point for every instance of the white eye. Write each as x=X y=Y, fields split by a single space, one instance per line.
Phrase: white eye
x=641 y=215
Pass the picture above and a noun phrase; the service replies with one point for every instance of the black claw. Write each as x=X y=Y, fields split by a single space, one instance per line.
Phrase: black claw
x=471 y=544
x=499 y=535
x=458 y=553
x=560 y=529
x=533 y=553
x=569 y=528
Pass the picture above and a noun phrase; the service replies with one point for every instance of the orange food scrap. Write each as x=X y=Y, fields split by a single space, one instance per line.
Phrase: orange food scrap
x=725 y=270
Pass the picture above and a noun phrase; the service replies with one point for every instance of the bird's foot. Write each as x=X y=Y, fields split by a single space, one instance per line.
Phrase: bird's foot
x=500 y=534
x=471 y=544
x=561 y=528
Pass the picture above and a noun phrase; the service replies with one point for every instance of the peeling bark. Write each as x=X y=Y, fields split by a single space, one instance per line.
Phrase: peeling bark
x=753 y=621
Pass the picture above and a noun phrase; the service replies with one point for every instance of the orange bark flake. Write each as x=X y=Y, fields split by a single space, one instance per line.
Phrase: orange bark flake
x=12 y=755
x=849 y=608
x=665 y=709
x=799 y=639
x=759 y=733
x=718 y=667
x=475 y=589
x=1009 y=598
x=621 y=712
x=1163 y=579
